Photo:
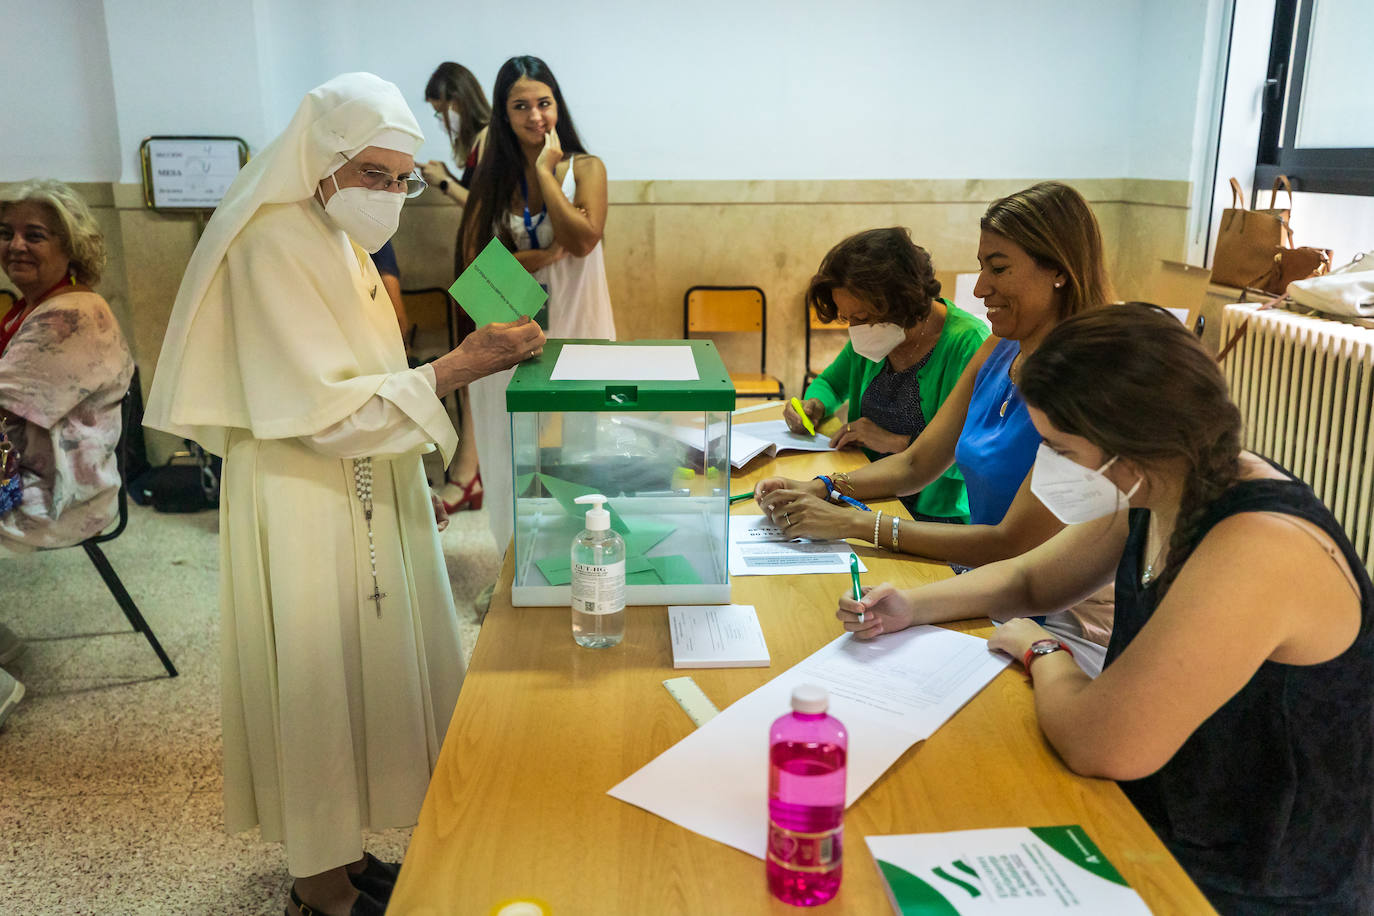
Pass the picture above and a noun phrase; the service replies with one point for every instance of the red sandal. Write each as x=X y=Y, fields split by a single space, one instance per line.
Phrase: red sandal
x=469 y=500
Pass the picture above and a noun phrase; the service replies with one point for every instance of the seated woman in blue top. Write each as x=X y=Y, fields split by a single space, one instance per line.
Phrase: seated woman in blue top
x=1235 y=707
x=1040 y=254
x=1040 y=258
x=906 y=350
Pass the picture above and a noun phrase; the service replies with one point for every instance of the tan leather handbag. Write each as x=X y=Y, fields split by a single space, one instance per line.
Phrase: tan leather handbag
x=1247 y=240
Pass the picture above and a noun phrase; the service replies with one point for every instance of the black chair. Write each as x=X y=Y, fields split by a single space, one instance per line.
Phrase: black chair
x=92 y=544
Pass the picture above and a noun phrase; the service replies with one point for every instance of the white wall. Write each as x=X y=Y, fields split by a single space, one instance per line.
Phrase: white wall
x=57 y=116
x=720 y=89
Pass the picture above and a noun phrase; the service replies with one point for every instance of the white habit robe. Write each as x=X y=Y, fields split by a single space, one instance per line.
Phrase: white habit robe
x=333 y=713
x=283 y=355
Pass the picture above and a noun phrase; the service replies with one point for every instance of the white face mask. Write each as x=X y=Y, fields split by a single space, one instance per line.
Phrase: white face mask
x=368 y=217
x=1072 y=492
x=875 y=341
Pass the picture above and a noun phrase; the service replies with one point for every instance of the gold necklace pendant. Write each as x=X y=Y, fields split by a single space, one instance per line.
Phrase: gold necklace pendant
x=1003 y=411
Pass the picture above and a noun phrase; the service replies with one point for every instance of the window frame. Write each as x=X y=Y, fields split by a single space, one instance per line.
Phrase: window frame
x=1321 y=170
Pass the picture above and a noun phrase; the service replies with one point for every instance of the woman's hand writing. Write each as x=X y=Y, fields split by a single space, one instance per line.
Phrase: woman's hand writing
x=885 y=609
x=864 y=432
x=815 y=412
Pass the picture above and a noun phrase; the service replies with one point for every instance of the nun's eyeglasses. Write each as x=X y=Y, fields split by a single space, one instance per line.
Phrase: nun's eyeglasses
x=376 y=180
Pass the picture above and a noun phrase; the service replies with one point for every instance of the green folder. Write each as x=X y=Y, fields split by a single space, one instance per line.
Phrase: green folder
x=495 y=287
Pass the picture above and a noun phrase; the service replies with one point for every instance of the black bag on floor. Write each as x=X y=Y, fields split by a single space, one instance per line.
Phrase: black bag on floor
x=188 y=482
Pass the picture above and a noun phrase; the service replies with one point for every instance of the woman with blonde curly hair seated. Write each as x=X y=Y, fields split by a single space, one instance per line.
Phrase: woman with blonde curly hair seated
x=64 y=368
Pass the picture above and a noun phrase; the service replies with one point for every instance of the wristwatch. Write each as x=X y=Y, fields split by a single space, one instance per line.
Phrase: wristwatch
x=1043 y=647
x=443 y=186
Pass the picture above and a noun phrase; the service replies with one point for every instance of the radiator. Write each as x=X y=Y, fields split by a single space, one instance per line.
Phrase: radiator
x=1304 y=387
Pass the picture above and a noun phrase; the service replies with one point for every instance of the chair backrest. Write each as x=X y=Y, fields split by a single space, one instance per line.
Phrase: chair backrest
x=126 y=416
x=814 y=323
x=430 y=313
x=7 y=300
x=726 y=309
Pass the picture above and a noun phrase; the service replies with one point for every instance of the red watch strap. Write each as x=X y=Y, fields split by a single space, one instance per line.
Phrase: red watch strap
x=1031 y=654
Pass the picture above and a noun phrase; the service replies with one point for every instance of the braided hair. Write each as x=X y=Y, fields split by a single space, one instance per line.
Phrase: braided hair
x=1131 y=380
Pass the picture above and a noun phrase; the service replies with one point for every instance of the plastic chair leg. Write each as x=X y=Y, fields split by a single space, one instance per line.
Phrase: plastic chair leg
x=126 y=604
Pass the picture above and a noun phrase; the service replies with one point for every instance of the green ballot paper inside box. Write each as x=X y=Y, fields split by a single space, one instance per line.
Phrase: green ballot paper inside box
x=623 y=427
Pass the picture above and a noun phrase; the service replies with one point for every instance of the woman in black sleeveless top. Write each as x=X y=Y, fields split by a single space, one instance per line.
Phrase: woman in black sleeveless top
x=1237 y=704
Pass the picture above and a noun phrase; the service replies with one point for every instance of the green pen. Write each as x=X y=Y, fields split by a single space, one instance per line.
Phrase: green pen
x=854 y=573
x=740 y=497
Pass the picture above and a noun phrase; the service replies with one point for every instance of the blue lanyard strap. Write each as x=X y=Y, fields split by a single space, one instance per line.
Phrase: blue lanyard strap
x=836 y=496
x=531 y=225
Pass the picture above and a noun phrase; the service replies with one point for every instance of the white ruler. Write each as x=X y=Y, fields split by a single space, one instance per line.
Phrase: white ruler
x=696 y=704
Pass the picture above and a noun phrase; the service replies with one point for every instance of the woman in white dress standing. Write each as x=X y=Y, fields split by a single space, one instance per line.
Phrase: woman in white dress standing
x=340 y=659
x=539 y=192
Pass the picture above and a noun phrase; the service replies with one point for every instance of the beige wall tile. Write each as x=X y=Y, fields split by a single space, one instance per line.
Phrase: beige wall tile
x=664 y=236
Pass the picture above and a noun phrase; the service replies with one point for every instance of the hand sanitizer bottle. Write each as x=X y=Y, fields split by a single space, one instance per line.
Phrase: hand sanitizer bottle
x=807 y=753
x=598 y=580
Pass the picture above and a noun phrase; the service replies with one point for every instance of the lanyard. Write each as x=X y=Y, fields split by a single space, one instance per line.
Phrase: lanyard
x=531 y=225
x=14 y=318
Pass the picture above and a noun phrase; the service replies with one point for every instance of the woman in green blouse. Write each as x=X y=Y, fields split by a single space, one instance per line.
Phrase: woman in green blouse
x=906 y=349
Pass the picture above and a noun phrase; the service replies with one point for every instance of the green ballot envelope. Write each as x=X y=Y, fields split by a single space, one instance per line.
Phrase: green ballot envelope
x=495 y=287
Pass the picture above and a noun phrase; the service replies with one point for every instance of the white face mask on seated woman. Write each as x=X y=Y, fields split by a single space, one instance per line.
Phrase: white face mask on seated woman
x=875 y=341
x=1072 y=492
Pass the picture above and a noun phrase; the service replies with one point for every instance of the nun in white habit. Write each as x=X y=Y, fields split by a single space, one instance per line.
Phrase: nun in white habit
x=340 y=660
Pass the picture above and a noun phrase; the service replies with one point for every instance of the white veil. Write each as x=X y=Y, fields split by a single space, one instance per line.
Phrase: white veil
x=232 y=356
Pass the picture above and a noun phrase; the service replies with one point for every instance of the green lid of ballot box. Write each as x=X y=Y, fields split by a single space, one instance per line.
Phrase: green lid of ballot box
x=658 y=447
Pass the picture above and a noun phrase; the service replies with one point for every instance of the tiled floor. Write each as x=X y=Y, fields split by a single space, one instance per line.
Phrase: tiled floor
x=109 y=771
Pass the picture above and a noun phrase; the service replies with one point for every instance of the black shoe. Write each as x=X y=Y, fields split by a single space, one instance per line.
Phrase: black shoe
x=377 y=877
x=365 y=905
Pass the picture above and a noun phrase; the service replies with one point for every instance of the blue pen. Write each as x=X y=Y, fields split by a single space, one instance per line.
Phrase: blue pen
x=854 y=574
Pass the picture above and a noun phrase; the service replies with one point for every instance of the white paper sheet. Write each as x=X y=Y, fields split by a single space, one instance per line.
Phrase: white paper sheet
x=597 y=363
x=715 y=781
x=749 y=440
x=717 y=636
x=759 y=548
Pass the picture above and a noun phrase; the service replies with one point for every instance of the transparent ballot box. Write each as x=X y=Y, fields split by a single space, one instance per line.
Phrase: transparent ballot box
x=654 y=438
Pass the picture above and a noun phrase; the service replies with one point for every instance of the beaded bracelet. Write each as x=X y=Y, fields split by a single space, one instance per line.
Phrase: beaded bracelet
x=895 y=520
x=876 y=522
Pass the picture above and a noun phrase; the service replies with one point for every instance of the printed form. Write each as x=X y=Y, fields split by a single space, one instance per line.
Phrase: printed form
x=890 y=693
x=759 y=548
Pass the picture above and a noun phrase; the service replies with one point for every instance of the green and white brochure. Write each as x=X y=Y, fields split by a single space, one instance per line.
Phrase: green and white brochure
x=1029 y=870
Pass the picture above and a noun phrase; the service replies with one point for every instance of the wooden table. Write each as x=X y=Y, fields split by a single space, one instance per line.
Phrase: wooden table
x=517 y=806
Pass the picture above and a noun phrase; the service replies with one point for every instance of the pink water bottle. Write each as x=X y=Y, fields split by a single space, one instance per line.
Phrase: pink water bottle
x=807 y=750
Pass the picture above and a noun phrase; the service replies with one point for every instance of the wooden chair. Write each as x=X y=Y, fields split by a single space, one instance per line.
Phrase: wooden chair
x=733 y=310
x=98 y=558
x=432 y=331
x=814 y=323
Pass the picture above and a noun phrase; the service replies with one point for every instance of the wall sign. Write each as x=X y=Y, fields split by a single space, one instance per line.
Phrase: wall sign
x=189 y=173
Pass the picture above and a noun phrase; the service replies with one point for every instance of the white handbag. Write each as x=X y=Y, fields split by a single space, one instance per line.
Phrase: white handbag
x=1346 y=291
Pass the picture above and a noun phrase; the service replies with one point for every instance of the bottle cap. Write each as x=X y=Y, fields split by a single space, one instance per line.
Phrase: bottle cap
x=810 y=699
x=598 y=519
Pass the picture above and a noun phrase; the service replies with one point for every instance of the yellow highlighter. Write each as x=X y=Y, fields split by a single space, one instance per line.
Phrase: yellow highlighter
x=801 y=412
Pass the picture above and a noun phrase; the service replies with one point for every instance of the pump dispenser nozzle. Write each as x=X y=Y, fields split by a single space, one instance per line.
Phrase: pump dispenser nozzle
x=598 y=519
